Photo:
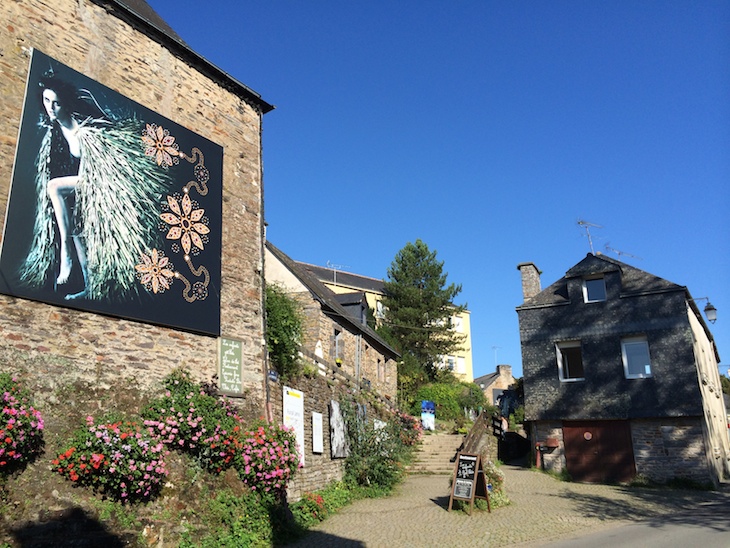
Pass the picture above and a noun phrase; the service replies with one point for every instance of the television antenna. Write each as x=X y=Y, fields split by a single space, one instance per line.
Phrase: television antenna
x=619 y=253
x=495 y=348
x=587 y=226
x=335 y=268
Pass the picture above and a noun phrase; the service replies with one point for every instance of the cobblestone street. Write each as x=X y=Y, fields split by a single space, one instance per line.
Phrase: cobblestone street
x=543 y=510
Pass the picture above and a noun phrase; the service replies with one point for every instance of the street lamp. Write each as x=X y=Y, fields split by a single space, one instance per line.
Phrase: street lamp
x=710 y=311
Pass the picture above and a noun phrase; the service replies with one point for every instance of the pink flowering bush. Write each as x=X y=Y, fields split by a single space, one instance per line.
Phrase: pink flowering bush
x=191 y=419
x=21 y=426
x=268 y=458
x=410 y=428
x=120 y=459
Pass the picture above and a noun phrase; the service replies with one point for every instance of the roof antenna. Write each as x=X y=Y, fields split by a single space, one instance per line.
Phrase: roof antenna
x=619 y=253
x=587 y=225
x=335 y=268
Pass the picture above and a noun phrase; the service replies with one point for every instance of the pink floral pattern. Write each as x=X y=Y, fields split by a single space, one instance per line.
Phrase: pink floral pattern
x=155 y=272
x=186 y=223
x=161 y=145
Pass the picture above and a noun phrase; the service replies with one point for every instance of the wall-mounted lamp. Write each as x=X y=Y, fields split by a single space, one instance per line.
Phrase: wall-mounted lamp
x=710 y=311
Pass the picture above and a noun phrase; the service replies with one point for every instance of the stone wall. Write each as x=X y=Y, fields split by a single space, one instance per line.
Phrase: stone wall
x=327 y=384
x=109 y=45
x=670 y=448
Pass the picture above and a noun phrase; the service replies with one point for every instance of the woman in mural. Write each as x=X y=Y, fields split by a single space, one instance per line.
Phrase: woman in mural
x=98 y=198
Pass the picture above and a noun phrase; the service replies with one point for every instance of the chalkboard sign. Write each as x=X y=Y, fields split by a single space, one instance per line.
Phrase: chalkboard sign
x=469 y=481
x=230 y=360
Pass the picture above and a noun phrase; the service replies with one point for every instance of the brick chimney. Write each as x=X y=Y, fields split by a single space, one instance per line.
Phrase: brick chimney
x=530 y=280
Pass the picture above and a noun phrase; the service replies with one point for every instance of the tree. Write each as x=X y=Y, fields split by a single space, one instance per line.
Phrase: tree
x=418 y=310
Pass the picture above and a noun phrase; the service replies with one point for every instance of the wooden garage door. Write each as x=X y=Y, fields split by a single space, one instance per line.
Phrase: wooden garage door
x=599 y=451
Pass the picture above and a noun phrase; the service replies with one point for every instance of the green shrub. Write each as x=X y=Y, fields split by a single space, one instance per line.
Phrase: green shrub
x=283 y=332
x=377 y=450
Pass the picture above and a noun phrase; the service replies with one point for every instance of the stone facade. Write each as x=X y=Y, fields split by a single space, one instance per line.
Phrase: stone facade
x=107 y=42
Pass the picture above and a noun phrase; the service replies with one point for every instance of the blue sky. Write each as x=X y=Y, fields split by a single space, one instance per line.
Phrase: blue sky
x=488 y=129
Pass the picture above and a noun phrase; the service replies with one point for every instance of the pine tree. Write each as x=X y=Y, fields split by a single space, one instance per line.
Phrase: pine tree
x=418 y=311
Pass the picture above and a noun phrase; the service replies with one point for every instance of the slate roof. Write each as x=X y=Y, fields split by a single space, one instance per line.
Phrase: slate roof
x=141 y=14
x=486 y=380
x=346 y=279
x=633 y=281
x=328 y=300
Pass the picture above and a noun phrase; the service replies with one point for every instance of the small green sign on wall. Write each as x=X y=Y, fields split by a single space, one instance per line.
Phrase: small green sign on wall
x=230 y=361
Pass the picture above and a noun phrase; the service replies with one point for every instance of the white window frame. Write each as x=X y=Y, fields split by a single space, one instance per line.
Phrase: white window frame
x=641 y=340
x=559 y=347
x=586 y=298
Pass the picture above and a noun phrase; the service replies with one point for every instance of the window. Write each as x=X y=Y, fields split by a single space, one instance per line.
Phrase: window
x=635 y=355
x=570 y=361
x=594 y=290
x=338 y=345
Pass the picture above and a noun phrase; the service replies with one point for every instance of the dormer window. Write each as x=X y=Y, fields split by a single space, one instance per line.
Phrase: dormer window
x=594 y=290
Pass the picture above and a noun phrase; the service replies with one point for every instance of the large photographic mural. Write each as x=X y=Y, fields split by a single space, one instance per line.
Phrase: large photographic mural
x=113 y=208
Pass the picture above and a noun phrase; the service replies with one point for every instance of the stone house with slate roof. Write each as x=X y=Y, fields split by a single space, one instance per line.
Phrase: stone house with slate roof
x=494 y=384
x=620 y=376
x=336 y=333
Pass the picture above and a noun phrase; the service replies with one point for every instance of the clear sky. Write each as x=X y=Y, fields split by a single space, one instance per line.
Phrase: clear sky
x=488 y=129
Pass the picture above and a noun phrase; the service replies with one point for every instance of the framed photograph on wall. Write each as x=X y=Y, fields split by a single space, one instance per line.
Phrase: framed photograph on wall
x=113 y=208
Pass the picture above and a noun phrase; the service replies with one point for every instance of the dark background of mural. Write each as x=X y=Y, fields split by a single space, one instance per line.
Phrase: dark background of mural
x=168 y=308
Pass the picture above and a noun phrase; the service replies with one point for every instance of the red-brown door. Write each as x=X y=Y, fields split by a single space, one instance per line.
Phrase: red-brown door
x=599 y=451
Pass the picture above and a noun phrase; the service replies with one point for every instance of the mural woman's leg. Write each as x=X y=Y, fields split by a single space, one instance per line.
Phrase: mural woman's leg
x=58 y=189
x=81 y=255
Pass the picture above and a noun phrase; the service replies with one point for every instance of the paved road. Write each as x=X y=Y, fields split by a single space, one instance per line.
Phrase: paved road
x=543 y=510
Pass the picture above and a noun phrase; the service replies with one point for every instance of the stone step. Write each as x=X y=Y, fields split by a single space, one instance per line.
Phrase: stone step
x=435 y=453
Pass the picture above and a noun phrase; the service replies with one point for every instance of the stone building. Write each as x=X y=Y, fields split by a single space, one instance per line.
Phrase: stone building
x=620 y=376
x=203 y=141
x=494 y=384
x=336 y=334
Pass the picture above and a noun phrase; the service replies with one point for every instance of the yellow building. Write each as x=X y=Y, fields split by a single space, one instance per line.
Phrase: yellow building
x=347 y=285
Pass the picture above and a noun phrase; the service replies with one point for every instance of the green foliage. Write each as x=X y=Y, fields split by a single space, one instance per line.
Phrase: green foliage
x=310 y=510
x=725 y=382
x=283 y=331
x=376 y=451
x=450 y=399
x=245 y=520
x=21 y=426
x=445 y=396
x=517 y=418
x=419 y=307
